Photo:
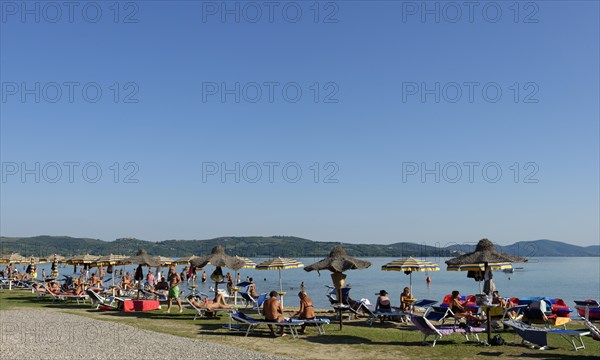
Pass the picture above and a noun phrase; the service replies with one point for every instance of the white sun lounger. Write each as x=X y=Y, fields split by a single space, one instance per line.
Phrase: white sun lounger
x=201 y=312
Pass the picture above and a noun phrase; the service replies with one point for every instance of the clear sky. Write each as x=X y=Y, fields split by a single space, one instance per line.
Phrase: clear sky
x=209 y=113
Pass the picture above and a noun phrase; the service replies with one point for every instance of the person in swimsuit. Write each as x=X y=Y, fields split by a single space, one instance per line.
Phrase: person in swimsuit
x=218 y=303
x=306 y=311
x=383 y=304
x=404 y=302
x=459 y=310
x=252 y=289
x=273 y=311
x=174 y=281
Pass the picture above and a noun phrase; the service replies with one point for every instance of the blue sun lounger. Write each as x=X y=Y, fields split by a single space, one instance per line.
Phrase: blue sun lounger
x=253 y=323
x=318 y=323
x=539 y=336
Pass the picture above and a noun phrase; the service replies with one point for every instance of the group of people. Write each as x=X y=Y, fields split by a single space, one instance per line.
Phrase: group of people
x=384 y=303
x=273 y=311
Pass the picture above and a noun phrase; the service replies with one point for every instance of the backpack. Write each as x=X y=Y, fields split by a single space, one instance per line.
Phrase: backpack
x=497 y=340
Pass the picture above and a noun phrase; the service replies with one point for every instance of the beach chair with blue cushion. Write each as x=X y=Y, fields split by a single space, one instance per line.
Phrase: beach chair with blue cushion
x=318 y=323
x=440 y=314
x=253 y=323
x=374 y=315
x=423 y=304
x=539 y=336
x=428 y=329
x=256 y=303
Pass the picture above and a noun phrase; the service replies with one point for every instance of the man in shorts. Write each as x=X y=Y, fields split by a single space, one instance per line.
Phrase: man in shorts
x=174 y=281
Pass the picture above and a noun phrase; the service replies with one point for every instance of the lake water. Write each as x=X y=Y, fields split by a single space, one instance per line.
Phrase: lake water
x=569 y=278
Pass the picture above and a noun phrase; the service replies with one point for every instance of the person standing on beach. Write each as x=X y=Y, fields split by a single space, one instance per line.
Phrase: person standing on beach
x=101 y=273
x=229 y=283
x=174 y=281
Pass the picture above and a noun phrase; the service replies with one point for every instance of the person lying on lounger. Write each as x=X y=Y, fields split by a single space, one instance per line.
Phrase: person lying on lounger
x=209 y=305
x=306 y=311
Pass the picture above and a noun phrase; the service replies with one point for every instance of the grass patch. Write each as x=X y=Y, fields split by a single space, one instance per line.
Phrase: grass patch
x=356 y=340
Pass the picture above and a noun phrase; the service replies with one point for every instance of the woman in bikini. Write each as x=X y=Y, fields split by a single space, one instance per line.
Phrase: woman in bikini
x=306 y=311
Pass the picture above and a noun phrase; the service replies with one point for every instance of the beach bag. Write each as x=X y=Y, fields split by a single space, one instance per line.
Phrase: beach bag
x=497 y=340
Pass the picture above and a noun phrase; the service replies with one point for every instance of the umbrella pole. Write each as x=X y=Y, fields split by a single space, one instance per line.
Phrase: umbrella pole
x=410 y=276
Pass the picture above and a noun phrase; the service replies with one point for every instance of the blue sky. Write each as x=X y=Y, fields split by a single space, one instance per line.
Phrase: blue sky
x=369 y=129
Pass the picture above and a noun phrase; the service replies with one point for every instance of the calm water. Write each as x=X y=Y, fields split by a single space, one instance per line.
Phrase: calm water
x=568 y=278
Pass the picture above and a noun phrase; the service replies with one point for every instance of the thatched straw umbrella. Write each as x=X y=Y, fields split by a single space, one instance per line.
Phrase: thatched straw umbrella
x=143 y=259
x=337 y=262
x=218 y=258
x=485 y=258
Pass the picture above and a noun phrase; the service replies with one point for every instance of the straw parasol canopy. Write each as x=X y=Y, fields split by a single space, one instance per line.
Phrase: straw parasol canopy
x=279 y=263
x=142 y=258
x=337 y=262
x=485 y=258
x=409 y=265
x=185 y=260
x=485 y=252
x=112 y=260
x=54 y=258
x=14 y=258
x=249 y=264
x=82 y=259
x=218 y=258
x=165 y=261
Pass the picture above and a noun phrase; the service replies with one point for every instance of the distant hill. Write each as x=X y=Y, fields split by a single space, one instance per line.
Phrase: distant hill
x=259 y=246
x=541 y=247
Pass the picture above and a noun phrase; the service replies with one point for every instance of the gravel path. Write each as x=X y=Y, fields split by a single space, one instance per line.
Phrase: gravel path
x=44 y=334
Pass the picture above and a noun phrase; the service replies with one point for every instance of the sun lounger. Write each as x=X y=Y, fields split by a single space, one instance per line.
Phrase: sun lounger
x=99 y=300
x=253 y=323
x=428 y=329
x=318 y=323
x=202 y=312
x=594 y=331
x=539 y=336
x=423 y=304
x=256 y=303
x=65 y=296
x=374 y=315
x=439 y=313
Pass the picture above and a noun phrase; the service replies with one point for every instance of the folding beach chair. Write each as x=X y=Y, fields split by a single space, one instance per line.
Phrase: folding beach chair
x=539 y=336
x=254 y=323
x=428 y=329
x=440 y=314
x=423 y=304
x=594 y=331
x=256 y=303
